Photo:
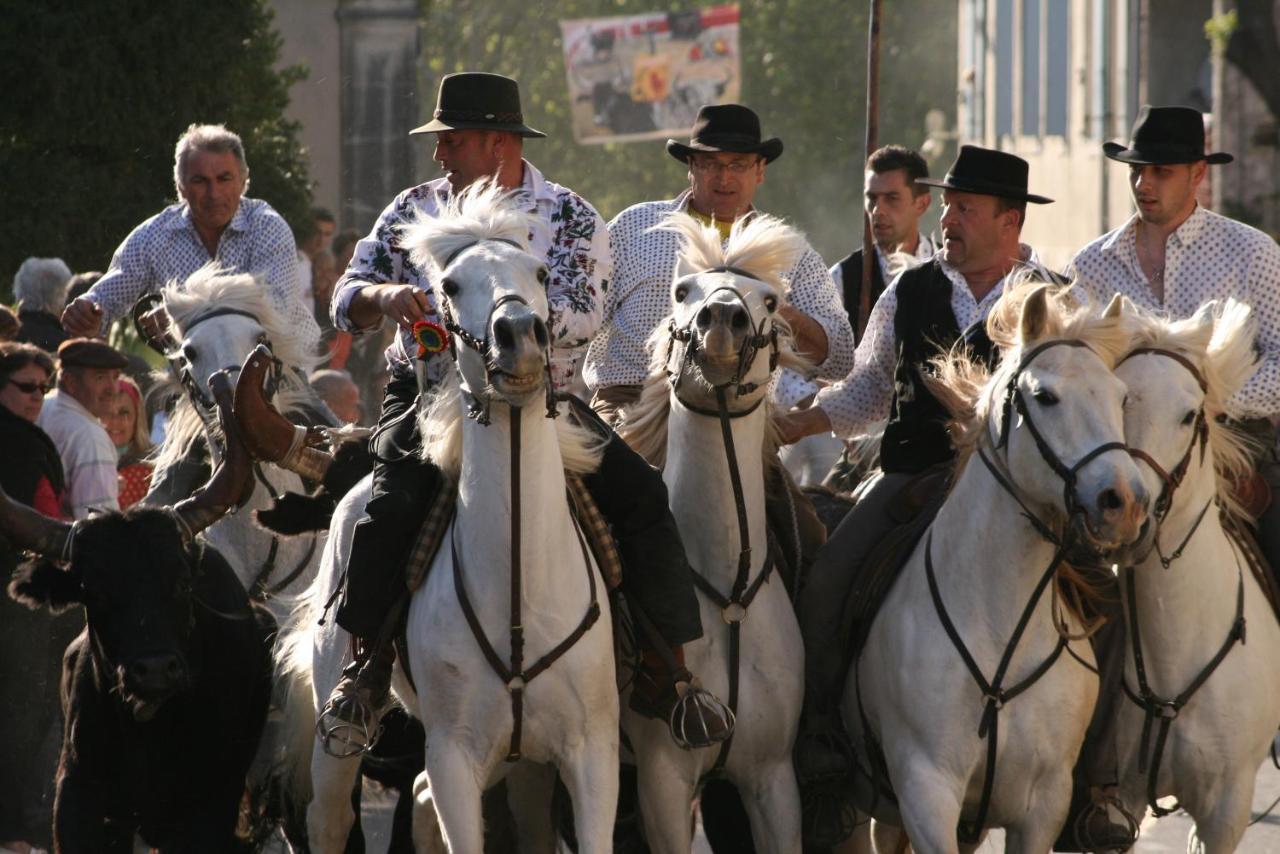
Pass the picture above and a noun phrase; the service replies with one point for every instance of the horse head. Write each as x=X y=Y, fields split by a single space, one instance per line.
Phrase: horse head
x=490 y=292
x=722 y=340
x=1180 y=375
x=1054 y=408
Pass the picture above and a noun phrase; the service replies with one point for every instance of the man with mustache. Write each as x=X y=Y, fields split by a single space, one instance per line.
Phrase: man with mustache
x=919 y=315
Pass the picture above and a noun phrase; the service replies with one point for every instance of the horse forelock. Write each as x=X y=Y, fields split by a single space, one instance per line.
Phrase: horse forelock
x=762 y=245
x=213 y=286
x=483 y=211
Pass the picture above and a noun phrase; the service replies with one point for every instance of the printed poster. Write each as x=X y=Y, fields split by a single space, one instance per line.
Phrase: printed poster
x=638 y=77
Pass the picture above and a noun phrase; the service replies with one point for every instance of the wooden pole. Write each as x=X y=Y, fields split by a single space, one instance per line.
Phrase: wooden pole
x=873 y=132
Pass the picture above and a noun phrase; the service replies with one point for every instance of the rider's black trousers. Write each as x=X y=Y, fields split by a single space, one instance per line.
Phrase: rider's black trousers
x=630 y=494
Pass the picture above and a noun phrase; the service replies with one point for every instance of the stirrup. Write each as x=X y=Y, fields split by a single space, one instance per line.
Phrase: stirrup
x=1119 y=837
x=348 y=727
x=827 y=814
x=698 y=718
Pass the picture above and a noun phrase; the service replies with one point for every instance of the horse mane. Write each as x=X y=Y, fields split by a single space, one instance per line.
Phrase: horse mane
x=1225 y=356
x=440 y=425
x=763 y=246
x=213 y=285
x=483 y=211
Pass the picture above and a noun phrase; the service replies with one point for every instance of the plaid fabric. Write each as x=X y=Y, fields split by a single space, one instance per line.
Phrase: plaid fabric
x=596 y=528
x=430 y=536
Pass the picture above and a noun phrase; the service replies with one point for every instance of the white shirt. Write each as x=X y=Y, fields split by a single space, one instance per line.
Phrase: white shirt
x=924 y=251
x=639 y=298
x=166 y=248
x=863 y=397
x=1208 y=257
x=575 y=243
x=88 y=457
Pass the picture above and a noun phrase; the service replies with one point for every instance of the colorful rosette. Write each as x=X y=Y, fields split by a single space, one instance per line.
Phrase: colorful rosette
x=432 y=338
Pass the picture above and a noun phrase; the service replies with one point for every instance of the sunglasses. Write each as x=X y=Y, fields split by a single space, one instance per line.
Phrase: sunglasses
x=30 y=388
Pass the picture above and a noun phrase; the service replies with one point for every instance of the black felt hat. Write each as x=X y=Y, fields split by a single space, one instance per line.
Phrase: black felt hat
x=474 y=100
x=1163 y=136
x=726 y=127
x=90 y=353
x=988 y=172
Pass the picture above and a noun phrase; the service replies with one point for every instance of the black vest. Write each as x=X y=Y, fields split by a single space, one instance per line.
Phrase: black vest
x=851 y=285
x=916 y=436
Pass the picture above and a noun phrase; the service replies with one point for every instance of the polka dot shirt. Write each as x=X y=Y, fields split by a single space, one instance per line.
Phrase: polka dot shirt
x=862 y=399
x=167 y=248
x=1208 y=257
x=639 y=298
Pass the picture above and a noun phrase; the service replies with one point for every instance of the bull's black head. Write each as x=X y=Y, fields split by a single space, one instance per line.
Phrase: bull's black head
x=134 y=573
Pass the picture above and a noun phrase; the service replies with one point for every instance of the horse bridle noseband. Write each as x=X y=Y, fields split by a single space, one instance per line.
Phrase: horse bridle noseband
x=751 y=345
x=478 y=407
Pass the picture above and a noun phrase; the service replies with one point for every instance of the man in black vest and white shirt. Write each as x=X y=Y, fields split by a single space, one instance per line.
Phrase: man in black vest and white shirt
x=921 y=313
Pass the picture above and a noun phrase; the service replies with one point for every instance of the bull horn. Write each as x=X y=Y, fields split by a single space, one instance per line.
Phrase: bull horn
x=268 y=435
x=28 y=529
x=231 y=483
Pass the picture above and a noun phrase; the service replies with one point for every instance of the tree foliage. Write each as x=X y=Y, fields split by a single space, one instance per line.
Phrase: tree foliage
x=96 y=96
x=803 y=70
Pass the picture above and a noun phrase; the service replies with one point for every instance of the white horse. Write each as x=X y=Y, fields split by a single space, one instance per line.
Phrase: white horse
x=714 y=360
x=509 y=466
x=942 y=704
x=217 y=318
x=1189 y=600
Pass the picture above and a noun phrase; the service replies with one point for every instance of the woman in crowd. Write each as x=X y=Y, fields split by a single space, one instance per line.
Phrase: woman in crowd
x=31 y=643
x=127 y=427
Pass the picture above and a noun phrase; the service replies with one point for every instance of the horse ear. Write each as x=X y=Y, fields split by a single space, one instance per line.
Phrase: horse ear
x=1115 y=308
x=1035 y=315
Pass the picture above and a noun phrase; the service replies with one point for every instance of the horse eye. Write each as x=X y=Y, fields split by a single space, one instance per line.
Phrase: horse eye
x=681 y=292
x=188 y=352
x=1188 y=418
x=543 y=274
x=771 y=303
x=1044 y=397
x=262 y=337
x=450 y=287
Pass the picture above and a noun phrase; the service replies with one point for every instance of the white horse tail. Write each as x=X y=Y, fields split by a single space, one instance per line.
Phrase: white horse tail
x=295 y=695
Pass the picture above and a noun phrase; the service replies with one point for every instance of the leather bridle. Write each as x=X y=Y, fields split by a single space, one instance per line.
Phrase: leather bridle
x=479 y=407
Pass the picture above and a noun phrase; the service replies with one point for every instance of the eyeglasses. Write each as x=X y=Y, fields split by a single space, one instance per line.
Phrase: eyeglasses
x=30 y=388
x=710 y=166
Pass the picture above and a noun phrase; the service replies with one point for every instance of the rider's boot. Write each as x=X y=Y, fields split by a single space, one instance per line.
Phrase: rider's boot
x=349 y=722
x=665 y=689
x=1100 y=824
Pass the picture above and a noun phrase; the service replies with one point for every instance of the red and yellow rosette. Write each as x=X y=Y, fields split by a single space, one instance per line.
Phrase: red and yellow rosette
x=432 y=338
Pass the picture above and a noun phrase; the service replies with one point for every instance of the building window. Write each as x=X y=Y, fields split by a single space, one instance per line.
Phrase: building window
x=1031 y=67
x=1057 y=67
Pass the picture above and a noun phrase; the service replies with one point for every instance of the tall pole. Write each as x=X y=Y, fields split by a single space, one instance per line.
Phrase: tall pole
x=873 y=131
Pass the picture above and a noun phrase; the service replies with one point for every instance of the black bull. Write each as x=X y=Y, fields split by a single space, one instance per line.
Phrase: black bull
x=165 y=693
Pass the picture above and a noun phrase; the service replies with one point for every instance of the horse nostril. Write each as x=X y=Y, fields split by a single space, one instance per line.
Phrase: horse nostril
x=1110 y=500
x=540 y=334
x=703 y=318
x=502 y=333
x=739 y=318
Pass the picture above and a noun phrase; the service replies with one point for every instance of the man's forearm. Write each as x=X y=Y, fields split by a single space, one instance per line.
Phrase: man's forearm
x=808 y=337
x=364 y=311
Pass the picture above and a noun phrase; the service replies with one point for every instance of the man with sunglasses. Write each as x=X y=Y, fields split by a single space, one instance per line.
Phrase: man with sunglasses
x=87 y=375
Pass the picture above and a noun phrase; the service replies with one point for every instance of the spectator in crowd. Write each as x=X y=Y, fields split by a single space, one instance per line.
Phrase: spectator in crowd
x=9 y=324
x=213 y=221
x=324 y=275
x=41 y=288
x=126 y=425
x=344 y=246
x=339 y=391
x=88 y=372
x=30 y=647
x=80 y=284
x=313 y=238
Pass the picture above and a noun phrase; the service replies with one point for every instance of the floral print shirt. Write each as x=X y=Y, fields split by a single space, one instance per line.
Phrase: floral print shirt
x=575 y=243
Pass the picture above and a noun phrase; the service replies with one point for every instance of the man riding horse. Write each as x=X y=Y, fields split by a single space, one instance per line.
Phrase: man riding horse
x=480 y=132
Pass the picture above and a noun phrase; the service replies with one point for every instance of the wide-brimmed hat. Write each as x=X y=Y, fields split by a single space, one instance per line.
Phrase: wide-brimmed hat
x=726 y=127
x=1164 y=136
x=90 y=353
x=474 y=100
x=988 y=172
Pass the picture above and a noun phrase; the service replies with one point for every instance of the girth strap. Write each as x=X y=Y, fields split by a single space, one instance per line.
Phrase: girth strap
x=1157 y=708
x=994 y=693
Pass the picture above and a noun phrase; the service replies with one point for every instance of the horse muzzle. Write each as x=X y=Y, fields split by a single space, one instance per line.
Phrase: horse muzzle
x=1116 y=516
x=518 y=368
x=721 y=330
